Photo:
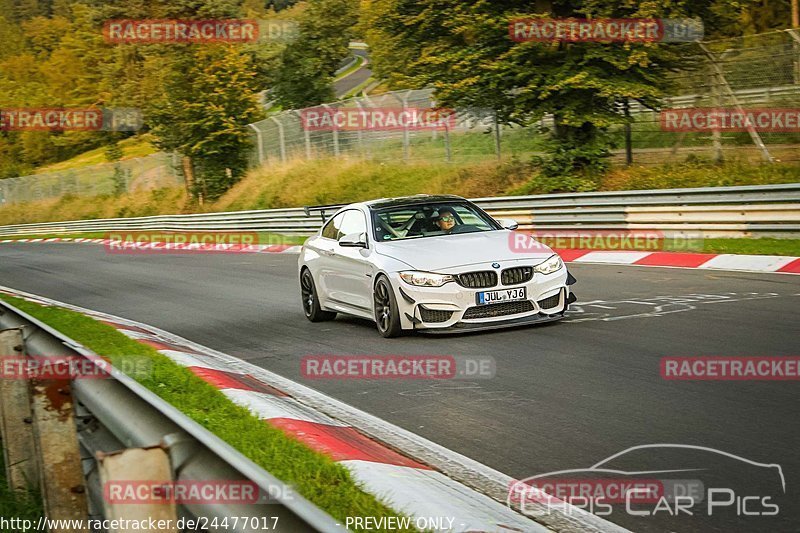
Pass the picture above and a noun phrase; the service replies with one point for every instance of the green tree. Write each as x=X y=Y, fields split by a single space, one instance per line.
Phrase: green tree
x=305 y=75
x=464 y=51
x=211 y=96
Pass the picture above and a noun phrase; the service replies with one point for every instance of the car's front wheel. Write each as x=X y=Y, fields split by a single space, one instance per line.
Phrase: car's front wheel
x=387 y=314
x=311 y=305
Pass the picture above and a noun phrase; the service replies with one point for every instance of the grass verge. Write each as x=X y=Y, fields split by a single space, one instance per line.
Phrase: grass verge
x=21 y=505
x=766 y=246
x=317 y=477
x=139 y=146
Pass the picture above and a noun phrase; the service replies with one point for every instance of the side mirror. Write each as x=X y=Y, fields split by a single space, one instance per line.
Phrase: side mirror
x=508 y=223
x=354 y=240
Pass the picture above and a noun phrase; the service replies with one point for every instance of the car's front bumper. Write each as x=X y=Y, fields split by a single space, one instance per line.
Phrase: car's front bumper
x=453 y=308
x=468 y=327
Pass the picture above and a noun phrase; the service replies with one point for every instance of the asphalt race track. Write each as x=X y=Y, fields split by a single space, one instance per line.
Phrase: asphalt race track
x=566 y=395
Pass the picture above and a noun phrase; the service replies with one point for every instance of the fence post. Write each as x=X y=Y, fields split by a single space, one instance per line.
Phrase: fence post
x=260 y=144
x=281 y=138
x=406 y=138
x=335 y=131
x=750 y=128
x=795 y=35
x=364 y=146
x=716 y=99
x=306 y=134
x=628 y=140
x=497 y=136
x=447 y=149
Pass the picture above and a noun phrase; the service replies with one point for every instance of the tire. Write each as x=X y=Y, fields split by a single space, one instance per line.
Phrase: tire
x=310 y=300
x=387 y=314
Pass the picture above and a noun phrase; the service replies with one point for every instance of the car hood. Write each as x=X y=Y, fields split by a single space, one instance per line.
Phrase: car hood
x=451 y=251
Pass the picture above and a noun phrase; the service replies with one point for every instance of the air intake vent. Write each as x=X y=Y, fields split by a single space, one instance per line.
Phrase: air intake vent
x=434 y=315
x=495 y=310
x=516 y=275
x=477 y=280
x=550 y=302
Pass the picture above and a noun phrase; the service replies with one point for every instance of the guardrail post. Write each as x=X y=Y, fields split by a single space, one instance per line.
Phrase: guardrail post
x=56 y=438
x=22 y=469
x=130 y=468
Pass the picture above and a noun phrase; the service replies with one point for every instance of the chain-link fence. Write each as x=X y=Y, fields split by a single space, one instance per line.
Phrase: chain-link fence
x=143 y=173
x=744 y=75
x=759 y=71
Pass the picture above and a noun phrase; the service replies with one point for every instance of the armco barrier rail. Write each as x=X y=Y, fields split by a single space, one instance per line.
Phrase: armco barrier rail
x=119 y=413
x=748 y=211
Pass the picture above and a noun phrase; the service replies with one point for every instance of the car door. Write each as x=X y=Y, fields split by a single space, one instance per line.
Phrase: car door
x=350 y=282
x=324 y=246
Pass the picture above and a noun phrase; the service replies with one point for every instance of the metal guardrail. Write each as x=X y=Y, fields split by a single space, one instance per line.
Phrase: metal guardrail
x=759 y=210
x=119 y=413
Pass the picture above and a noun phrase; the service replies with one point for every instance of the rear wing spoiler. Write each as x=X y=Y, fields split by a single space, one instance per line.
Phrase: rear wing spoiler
x=332 y=208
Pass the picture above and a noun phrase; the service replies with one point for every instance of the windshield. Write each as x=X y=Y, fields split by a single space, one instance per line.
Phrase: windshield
x=429 y=220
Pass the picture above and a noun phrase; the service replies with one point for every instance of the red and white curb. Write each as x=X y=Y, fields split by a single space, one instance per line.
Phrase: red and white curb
x=735 y=262
x=419 y=487
x=748 y=263
x=156 y=247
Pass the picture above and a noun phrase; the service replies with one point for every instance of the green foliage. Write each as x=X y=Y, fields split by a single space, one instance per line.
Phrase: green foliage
x=463 y=49
x=307 y=65
x=210 y=97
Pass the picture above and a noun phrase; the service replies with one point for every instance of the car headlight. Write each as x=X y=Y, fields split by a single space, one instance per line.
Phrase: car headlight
x=425 y=279
x=553 y=264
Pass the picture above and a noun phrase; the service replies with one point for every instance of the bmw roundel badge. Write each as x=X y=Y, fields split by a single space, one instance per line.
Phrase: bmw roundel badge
x=495 y=265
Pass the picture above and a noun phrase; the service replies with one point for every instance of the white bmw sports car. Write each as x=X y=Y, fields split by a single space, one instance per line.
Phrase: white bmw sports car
x=434 y=263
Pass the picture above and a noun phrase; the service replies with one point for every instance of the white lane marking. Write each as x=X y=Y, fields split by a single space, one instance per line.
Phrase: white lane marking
x=661 y=305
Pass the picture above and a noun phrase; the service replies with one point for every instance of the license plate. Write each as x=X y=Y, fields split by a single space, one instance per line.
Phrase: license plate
x=506 y=295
